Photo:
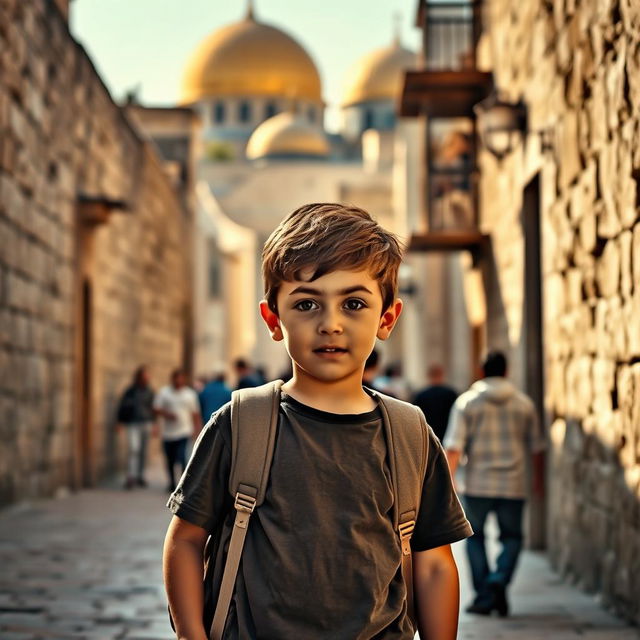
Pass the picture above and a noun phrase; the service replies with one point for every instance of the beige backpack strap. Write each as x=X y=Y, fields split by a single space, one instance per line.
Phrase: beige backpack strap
x=406 y=431
x=254 y=422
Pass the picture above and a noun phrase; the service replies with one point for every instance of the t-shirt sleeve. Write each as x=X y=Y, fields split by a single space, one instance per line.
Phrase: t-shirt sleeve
x=202 y=497
x=441 y=519
x=195 y=403
x=158 y=399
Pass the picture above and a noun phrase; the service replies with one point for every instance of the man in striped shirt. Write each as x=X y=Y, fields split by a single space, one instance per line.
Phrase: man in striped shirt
x=495 y=426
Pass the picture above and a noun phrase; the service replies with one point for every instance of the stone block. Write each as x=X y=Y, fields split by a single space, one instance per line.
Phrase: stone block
x=603 y=383
x=571 y=164
x=554 y=297
x=631 y=324
x=635 y=256
x=597 y=108
x=574 y=82
x=578 y=387
x=573 y=283
x=608 y=269
x=11 y=198
x=625 y=242
x=604 y=485
x=627 y=188
x=615 y=79
x=587 y=230
x=614 y=324
x=16 y=294
x=609 y=224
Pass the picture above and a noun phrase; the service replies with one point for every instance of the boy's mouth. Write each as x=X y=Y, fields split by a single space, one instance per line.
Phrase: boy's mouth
x=330 y=349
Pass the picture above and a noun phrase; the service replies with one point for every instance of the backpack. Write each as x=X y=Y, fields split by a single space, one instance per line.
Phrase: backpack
x=127 y=407
x=252 y=447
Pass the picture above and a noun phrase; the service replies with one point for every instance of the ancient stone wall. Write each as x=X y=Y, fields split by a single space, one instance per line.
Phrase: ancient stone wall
x=64 y=142
x=576 y=64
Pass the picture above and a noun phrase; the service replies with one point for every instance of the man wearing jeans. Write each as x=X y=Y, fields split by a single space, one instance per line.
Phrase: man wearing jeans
x=135 y=412
x=496 y=428
x=177 y=406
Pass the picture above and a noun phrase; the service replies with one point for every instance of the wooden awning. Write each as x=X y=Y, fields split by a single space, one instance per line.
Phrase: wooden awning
x=444 y=94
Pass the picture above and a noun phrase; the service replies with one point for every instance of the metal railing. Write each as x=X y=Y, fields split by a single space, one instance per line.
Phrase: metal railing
x=450 y=34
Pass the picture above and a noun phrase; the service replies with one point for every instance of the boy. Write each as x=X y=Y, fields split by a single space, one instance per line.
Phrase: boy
x=321 y=558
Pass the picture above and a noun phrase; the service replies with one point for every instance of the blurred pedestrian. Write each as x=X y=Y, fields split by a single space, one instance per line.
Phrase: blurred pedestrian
x=436 y=400
x=245 y=374
x=371 y=371
x=179 y=410
x=214 y=395
x=496 y=427
x=135 y=412
x=392 y=383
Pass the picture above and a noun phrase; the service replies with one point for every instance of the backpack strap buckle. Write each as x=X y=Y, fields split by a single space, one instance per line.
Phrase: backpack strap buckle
x=405 y=529
x=244 y=505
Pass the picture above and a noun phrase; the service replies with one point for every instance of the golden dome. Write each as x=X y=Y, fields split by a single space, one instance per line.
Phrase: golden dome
x=379 y=74
x=287 y=134
x=249 y=58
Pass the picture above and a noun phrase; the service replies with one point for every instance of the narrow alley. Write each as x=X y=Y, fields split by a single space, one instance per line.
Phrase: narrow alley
x=87 y=566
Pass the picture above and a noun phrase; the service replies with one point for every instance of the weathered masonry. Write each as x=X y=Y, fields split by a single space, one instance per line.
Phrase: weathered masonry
x=94 y=262
x=544 y=196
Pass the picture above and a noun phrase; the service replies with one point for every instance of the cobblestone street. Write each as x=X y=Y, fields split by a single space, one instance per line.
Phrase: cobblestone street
x=88 y=566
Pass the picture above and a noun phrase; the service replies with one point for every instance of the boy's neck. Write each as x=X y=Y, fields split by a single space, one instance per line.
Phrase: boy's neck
x=344 y=396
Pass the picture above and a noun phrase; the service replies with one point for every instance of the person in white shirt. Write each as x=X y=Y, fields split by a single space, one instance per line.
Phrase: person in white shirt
x=178 y=409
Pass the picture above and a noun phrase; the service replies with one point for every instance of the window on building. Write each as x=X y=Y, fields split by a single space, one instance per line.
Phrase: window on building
x=270 y=110
x=367 y=119
x=311 y=114
x=450 y=35
x=451 y=155
x=214 y=269
x=244 y=112
x=219 y=112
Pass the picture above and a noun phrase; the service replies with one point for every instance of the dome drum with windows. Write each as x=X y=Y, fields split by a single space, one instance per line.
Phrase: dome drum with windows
x=248 y=71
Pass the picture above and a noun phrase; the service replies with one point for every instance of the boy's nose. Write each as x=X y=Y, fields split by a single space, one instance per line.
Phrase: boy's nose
x=330 y=324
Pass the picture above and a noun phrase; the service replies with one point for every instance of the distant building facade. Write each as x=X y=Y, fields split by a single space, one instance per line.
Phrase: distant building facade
x=94 y=270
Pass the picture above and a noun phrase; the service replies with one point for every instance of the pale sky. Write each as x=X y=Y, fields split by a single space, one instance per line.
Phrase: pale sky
x=148 y=42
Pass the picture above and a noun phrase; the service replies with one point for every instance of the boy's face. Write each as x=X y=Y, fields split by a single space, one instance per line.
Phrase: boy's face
x=330 y=325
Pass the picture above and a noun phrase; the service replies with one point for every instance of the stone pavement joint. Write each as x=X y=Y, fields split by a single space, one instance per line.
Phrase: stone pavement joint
x=87 y=566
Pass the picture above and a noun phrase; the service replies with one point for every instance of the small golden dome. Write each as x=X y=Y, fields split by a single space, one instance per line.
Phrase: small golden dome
x=379 y=75
x=287 y=134
x=249 y=58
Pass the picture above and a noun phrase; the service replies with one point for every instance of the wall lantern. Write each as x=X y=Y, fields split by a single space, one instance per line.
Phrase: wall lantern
x=500 y=124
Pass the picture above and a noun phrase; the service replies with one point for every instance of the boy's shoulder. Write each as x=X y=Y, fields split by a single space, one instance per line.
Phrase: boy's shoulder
x=400 y=413
x=220 y=420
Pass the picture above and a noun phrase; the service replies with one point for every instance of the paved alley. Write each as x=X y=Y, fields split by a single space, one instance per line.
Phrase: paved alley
x=88 y=566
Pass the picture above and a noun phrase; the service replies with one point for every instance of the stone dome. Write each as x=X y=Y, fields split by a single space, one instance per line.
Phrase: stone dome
x=250 y=58
x=287 y=135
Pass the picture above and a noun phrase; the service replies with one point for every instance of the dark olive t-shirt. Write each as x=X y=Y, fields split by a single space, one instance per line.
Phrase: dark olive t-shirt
x=321 y=559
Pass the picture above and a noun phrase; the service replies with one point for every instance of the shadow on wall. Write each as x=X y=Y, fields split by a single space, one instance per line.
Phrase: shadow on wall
x=497 y=325
x=594 y=513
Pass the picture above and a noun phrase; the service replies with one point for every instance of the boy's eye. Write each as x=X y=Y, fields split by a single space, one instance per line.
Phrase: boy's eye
x=305 y=305
x=353 y=304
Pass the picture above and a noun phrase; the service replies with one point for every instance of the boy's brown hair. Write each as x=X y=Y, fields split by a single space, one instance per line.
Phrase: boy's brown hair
x=328 y=236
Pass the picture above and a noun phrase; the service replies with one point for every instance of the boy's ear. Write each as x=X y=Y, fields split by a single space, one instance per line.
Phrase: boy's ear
x=389 y=319
x=272 y=321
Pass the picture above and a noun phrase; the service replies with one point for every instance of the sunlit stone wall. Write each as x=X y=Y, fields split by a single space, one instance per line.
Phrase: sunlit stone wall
x=576 y=64
x=61 y=136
